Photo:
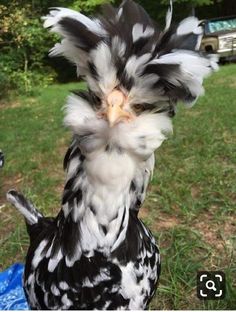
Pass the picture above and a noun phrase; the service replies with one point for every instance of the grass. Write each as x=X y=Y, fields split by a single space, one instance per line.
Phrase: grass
x=191 y=202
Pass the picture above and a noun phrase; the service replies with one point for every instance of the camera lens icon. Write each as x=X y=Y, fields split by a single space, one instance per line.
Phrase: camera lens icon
x=210 y=285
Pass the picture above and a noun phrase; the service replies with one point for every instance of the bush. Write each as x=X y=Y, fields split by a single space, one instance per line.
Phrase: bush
x=25 y=44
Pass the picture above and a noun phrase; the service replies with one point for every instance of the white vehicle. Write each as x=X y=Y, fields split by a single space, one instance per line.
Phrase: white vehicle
x=220 y=37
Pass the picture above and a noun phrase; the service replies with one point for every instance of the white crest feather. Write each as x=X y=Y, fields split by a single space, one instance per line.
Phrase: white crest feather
x=139 y=32
x=103 y=61
x=189 y=25
x=57 y=14
x=169 y=16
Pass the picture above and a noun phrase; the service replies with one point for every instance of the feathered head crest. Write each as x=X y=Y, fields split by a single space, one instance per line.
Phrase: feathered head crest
x=124 y=49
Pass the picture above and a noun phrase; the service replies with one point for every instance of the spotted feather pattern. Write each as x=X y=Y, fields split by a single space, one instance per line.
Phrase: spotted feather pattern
x=125 y=49
x=64 y=273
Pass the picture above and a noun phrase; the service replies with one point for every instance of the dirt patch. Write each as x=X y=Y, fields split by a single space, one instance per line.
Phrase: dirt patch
x=165 y=222
x=209 y=234
x=230 y=226
x=143 y=213
x=195 y=192
x=162 y=222
x=9 y=183
x=12 y=104
x=217 y=233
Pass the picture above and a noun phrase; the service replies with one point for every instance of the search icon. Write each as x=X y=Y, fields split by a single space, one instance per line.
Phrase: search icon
x=210 y=285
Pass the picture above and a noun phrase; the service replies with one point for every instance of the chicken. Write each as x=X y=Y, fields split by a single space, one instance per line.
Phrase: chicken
x=97 y=254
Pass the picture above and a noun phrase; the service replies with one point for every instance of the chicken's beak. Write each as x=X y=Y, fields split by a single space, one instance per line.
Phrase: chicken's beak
x=115 y=114
x=115 y=111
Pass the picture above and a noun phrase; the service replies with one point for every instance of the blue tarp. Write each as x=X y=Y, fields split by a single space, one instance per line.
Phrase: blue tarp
x=12 y=295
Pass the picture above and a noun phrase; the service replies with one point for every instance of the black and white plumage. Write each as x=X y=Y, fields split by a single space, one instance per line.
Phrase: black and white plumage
x=1 y=159
x=97 y=254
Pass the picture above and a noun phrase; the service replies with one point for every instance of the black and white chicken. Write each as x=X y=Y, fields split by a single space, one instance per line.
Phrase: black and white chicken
x=97 y=254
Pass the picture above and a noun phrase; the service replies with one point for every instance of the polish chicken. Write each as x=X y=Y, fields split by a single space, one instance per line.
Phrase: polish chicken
x=96 y=253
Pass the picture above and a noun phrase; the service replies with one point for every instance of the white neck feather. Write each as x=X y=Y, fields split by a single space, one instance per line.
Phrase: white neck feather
x=114 y=158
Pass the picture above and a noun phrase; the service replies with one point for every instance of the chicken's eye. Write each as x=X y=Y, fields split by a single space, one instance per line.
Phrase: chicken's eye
x=138 y=108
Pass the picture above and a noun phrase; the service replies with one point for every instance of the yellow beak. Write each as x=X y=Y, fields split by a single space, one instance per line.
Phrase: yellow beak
x=114 y=112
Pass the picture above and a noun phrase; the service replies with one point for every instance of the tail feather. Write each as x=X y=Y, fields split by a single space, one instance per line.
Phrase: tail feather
x=29 y=211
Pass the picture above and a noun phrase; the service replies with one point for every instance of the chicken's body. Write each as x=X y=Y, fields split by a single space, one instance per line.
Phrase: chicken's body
x=97 y=254
x=91 y=257
x=122 y=279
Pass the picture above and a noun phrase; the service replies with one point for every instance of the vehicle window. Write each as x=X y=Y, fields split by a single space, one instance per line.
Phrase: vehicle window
x=221 y=25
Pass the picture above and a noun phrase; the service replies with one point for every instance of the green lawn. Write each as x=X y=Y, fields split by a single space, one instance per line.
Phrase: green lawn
x=191 y=201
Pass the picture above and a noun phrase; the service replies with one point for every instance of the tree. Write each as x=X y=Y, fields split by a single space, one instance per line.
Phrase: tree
x=194 y=3
x=191 y=5
x=24 y=43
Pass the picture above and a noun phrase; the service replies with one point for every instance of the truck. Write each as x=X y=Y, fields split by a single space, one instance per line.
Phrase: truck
x=220 y=37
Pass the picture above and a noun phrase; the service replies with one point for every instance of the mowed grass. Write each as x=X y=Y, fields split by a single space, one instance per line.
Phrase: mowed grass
x=191 y=201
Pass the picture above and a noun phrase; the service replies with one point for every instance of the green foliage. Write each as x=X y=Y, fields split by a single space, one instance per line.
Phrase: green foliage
x=191 y=2
x=87 y=6
x=24 y=43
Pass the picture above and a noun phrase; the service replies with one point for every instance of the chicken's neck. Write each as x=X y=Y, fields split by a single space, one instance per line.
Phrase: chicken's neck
x=98 y=195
